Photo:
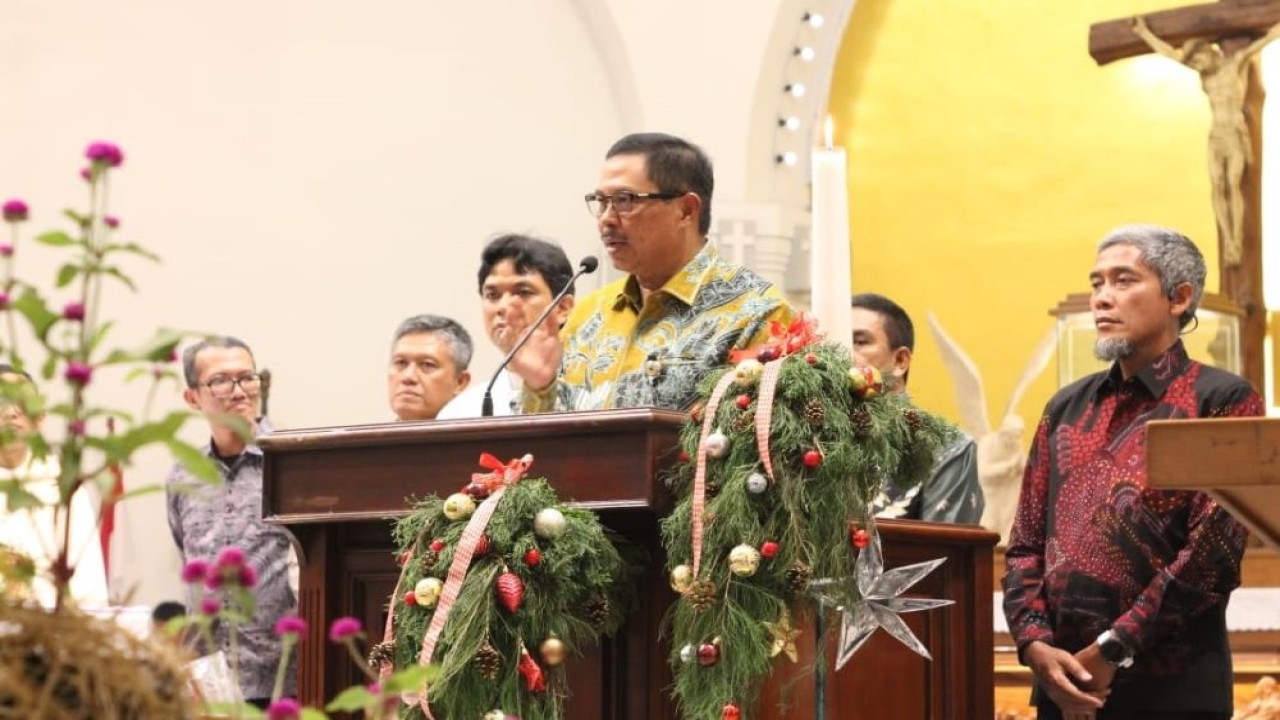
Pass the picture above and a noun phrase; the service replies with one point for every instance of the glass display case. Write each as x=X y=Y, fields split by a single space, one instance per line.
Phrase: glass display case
x=1215 y=341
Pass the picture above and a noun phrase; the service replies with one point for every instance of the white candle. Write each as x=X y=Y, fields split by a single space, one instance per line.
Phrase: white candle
x=830 y=282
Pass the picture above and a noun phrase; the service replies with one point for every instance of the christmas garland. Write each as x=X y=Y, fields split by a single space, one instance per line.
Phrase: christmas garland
x=781 y=461
x=498 y=595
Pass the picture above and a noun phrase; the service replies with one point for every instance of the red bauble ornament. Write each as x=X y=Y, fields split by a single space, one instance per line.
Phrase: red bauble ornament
x=812 y=459
x=410 y=599
x=436 y=545
x=483 y=546
x=510 y=589
x=708 y=654
x=768 y=549
x=695 y=413
x=477 y=491
x=811 y=358
x=744 y=401
x=767 y=355
x=532 y=557
x=403 y=558
x=859 y=537
x=683 y=457
x=534 y=680
x=730 y=712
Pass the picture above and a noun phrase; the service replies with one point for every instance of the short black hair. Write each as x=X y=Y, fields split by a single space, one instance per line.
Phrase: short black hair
x=898 y=328
x=527 y=253
x=168 y=610
x=674 y=165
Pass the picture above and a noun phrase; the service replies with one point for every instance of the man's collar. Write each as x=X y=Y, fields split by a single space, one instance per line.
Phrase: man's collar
x=683 y=286
x=1158 y=374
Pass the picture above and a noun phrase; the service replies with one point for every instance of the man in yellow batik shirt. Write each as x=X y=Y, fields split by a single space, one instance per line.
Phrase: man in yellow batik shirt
x=647 y=339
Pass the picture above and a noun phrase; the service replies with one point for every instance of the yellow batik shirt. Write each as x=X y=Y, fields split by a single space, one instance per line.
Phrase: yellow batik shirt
x=622 y=352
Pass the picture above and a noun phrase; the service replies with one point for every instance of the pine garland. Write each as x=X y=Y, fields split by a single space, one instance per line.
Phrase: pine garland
x=575 y=589
x=801 y=526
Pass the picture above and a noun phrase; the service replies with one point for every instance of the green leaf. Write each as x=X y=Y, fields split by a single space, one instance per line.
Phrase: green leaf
x=57 y=238
x=37 y=313
x=157 y=349
x=233 y=710
x=412 y=678
x=353 y=698
x=195 y=461
x=77 y=218
x=312 y=714
x=49 y=366
x=17 y=498
x=99 y=335
x=117 y=274
x=133 y=248
x=66 y=274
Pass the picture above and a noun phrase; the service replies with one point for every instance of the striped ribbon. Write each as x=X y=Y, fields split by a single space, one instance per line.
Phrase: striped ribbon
x=700 y=475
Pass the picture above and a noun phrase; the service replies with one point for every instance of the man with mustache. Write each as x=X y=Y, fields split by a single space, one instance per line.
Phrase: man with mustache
x=1116 y=594
x=519 y=276
x=646 y=339
x=428 y=368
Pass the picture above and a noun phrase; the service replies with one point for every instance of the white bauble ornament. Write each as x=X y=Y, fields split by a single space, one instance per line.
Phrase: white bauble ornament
x=549 y=523
x=495 y=715
x=747 y=373
x=459 y=506
x=688 y=654
x=744 y=560
x=717 y=444
x=427 y=591
x=757 y=483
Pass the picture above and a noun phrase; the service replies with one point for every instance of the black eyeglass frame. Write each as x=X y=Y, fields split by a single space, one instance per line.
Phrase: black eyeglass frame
x=626 y=198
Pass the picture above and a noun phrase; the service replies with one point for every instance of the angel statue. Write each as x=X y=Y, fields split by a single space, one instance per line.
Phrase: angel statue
x=1001 y=454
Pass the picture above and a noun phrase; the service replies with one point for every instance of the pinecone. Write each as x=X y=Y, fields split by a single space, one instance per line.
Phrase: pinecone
x=798 y=576
x=428 y=560
x=487 y=662
x=384 y=653
x=815 y=413
x=702 y=595
x=914 y=420
x=862 y=423
x=597 y=610
x=744 y=422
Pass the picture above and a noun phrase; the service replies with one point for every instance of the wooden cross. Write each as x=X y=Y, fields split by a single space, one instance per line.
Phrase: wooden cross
x=1238 y=28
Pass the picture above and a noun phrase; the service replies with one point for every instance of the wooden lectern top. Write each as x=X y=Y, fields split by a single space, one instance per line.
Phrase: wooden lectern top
x=600 y=460
x=1236 y=460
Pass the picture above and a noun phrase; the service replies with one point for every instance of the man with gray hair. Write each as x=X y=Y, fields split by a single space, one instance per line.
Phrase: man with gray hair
x=1116 y=594
x=428 y=368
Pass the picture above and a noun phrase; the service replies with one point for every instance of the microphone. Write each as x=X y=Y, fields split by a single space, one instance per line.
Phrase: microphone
x=588 y=265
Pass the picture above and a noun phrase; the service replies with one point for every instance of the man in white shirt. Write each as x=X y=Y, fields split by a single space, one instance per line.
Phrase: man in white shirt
x=518 y=278
x=31 y=522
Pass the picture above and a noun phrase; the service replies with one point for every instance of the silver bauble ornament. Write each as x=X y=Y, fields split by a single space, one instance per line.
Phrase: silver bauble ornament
x=757 y=483
x=717 y=444
x=549 y=523
x=459 y=506
x=688 y=654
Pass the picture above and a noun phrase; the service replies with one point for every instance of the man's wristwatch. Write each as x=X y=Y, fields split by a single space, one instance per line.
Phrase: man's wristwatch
x=1114 y=651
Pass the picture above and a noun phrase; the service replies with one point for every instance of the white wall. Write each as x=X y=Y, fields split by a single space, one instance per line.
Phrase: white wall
x=313 y=172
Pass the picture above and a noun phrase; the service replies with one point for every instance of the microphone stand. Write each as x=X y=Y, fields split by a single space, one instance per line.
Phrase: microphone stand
x=588 y=265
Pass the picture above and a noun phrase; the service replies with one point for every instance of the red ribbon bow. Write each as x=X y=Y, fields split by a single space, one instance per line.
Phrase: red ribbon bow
x=783 y=340
x=500 y=475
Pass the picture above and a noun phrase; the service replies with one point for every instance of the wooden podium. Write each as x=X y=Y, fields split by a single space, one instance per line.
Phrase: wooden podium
x=1236 y=460
x=339 y=489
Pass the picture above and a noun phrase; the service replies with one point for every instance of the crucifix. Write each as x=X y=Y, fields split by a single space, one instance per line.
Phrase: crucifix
x=1220 y=41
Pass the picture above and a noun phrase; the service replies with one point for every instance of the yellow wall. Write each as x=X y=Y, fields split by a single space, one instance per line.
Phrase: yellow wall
x=987 y=155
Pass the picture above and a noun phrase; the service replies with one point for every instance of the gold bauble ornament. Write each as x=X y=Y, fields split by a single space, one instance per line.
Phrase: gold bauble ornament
x=865 y=381
x=681 y=578
x=553 y=651
x=744 y=560
x=427 y=591
x=459 y=506
x=747 y=373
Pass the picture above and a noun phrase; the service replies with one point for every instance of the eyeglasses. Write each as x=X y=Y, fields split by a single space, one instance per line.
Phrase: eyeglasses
x=222 y=386
x=623 y=201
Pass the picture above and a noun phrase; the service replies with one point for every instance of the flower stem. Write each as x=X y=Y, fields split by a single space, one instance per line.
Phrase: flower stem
x=282 y=668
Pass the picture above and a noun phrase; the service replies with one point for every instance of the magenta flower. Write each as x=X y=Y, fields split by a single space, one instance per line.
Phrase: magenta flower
x=284 y=709
x=14 y=210
x=231 y=558
x=344 y=628
x=194 y=571
x=87 y=174
x=213 y=579
x=290 y=625
x=210 y=606
x=248 y=577
x=6 y=250
x=78 y=373
x=73 y=311
x=104 y=154
x=4 y=300
x=111 y=221
x=76 y=428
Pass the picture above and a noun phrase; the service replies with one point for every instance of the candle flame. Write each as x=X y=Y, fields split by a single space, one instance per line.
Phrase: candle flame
x=828 y=130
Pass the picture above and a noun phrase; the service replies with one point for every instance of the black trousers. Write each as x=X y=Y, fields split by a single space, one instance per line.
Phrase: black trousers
x=1051 y=712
